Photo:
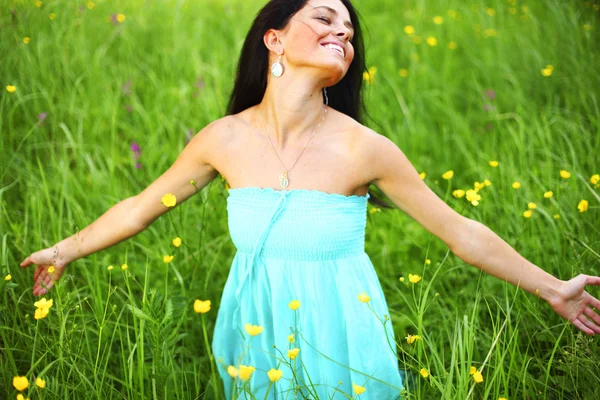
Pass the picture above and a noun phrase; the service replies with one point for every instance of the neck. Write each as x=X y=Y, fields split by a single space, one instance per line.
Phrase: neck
x=291 y=110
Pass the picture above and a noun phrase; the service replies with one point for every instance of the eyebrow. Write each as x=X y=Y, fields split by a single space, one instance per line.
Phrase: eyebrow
x=334 y=12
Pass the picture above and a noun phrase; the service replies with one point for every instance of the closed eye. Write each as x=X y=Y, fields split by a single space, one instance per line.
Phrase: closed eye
x=324 y=19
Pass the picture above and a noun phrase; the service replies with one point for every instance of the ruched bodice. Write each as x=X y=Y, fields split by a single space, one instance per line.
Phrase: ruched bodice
x=305 y=245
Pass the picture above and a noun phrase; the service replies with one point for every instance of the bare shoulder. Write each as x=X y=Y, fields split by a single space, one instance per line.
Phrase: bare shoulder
x=215 y=139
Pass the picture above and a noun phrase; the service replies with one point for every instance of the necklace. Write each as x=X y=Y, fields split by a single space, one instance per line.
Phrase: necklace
x=284 y=180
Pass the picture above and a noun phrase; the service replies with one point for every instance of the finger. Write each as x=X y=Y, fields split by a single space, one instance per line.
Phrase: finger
x=25 y=262
x=594 y=302
x=590 y=313
x=37 y=273
x=582 y=327
x=592 y=280
x=588 y=323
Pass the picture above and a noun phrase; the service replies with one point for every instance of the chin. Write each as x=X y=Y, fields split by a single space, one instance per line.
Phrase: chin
x=335 y=72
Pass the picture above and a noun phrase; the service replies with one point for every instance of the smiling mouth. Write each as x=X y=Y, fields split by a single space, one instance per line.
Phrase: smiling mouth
x=335 y=47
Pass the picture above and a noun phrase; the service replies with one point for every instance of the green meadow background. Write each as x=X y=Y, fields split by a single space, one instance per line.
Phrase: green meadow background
x=510 y=81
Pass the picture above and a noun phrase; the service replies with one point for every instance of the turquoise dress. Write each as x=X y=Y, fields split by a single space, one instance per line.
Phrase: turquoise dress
x=305 y=245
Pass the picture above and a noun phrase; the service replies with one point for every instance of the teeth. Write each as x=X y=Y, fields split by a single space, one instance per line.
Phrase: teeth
x=334 y=47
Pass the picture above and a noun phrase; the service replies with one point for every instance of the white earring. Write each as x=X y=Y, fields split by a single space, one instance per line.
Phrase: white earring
x=277 y=68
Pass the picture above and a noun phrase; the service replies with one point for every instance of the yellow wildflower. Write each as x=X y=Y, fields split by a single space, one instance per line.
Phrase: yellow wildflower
x=452 y=45
x=493 y=163
x=8 y=277
x=43 y=303
x=548 y=70
x=458 y=193
x=422 y=175
x=487 y=182
x=369 y=76
x=253 y=330
x=556 y=216
x=473 y=196
x=246 y=372
x=51 y=269
x=110 y=268
x=39 y=382
x=168 y=259
x=275 y=374
x=472 y=370
x=169 y=200
x=424 y=373
x=11 y=89
x=531 y=206
x=478 y=185
x=294 y=304
x=26 y=40
x=358 y=389
x=404 y=73
x=232 y=371
x=363 y=297
x=52 y=16
x=502 y=398
x=409 y=29
x=411 y=338
x=432 y=41
x=401 y=279
x=414 y=278
x=291 y=338
x=477 y=377
x=124 y=267
x=595 y=179
x=565 y=174
x=202 y=306
x=428 y=261
x=516 y=185
x=293 y=353
x=583 y=206
x=448 y=174
x=177 y=242
x=438 y=20
x=548 y=194
x=20 y=383
x=120 y=18
x=21 y=397
x=527 y=214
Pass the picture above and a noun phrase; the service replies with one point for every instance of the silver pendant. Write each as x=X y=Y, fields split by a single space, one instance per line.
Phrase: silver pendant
x=283 y=180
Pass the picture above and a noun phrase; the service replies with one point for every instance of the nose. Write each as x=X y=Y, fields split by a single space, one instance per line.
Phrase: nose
x=342 y=32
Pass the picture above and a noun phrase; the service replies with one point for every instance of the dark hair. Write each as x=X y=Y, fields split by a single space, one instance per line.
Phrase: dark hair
x=253 y=66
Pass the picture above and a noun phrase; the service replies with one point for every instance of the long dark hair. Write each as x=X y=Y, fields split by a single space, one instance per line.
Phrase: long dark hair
x=253 y=66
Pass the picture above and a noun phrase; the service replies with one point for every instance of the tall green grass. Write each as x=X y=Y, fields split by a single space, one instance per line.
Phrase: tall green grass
x=168 y=68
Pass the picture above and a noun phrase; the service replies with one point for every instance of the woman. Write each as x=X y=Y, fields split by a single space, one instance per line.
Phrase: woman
x=300 y=171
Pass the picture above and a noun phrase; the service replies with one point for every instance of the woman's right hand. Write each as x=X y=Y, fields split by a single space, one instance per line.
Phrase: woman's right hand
x=43 y=280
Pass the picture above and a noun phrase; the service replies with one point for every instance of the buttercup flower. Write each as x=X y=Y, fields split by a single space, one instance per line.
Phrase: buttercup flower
x=409 y=29
x=432 y=41
x=168 y=259
x=246 y=372
x=487 y=182
x=583 y=206
x=20 y=383
x=527 y=214
x=595 y=179
x=253 y=330
x=51 y=269
x=424 y=373
x=21 y=397
x=275 y=374
x=8 y=277
x=363 y=297
x=477 y=377
x=369 y=76
x=177 y=242
x=358 y=389
x=26 y=40
x=422 y=175
x=232 y=371
x=472 y=370
x=548 y=70
x=458 y=193
x=516 y=185
x=124 y=267
x=531 y=206
x=293 y=353
x=448 y=174
x=401 y=279
x=202 y=306
x=548 y=194
x=39 y=382
x=11 y=89
x=411 y=338
x=110 y=268
x=556 y=216
x=169 y=200
x=414 y=278
x=493 y=163
x=294 y=304
x=565 y=174
x=291 y=338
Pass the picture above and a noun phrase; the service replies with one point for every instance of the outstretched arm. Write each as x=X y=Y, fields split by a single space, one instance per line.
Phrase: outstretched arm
x=470 y=240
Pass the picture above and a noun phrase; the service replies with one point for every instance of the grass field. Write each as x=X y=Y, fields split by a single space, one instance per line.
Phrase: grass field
x=507 y=81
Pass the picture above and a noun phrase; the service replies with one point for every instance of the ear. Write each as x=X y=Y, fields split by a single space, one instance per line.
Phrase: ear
x=272 y=40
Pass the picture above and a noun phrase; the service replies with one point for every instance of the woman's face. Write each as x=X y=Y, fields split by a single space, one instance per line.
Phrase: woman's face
x=319 y=36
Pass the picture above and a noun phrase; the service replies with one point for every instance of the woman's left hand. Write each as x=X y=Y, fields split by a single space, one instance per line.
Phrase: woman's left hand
x=574 y=303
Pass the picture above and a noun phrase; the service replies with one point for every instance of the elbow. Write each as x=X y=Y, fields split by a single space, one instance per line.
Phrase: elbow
x=466 y=243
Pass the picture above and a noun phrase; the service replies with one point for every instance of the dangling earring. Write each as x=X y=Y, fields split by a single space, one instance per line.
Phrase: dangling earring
x=325 y=94
x=277 y=68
